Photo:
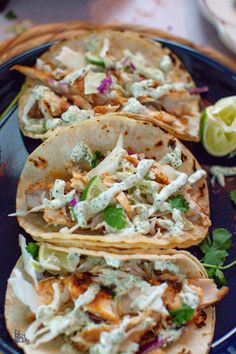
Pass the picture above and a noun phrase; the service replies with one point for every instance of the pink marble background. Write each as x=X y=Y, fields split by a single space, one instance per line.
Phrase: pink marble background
x=179 y=17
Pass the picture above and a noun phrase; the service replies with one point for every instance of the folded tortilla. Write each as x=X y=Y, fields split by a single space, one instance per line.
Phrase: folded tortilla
x=175 y=107
x=171 y=267
x=50 y=162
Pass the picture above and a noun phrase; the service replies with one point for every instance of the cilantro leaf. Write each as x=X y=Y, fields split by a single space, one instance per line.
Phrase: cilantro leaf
x=205 y=245
x=96 y=159
x=114 y=217
x=219 y=278
x=179 y=203
x=10 y=15
x=33 y=249
x=215 y=256
x=211 y=272
x=221 y=239
x=113 y=294
x=233 y=196
x=182 y=315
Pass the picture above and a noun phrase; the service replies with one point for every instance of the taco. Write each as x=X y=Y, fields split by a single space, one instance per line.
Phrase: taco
x=104 y=72
x=76 y=301
x=113 y=182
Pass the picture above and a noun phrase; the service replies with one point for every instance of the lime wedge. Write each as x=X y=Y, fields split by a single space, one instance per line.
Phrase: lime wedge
x=93 y=188
x=218 y=127
x=94 y=59
x=55 y=261
x=225 y=109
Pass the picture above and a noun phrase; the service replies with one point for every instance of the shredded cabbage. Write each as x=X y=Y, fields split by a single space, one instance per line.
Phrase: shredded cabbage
x=111 y=162
x=70 y=58
x=92 y=81
x=24 y=291
x=27 y=260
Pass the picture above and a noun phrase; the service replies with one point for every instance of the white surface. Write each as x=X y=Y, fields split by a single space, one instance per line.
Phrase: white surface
x=180 y=17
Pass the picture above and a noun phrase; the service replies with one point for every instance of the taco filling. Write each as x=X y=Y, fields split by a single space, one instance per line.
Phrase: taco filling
x=120 y=192
x=96 y=76
x=108 y=305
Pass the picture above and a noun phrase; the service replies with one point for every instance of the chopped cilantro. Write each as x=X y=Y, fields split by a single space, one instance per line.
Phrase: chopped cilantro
x=179 y=203
x=114 y=217
x=96 y=159
x=10 y=15
x=113 y=294
x=182 y=315
x=33 y=249
x=215 y=254
x=233 y=196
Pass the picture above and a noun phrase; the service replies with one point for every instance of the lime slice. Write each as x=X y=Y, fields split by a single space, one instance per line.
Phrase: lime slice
x=94 y=59
x=55 y=261
x=37 y=267
x=225 y=109
x=218 y=127
x=93 y=188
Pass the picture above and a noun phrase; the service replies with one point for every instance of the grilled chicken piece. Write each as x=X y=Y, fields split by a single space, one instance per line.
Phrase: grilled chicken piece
x=124 y=202
x=132 y=160
x=171 y=298
x=105 y=109
x=178 y=103
x=35 y=111
x=161 y=178
x=54 y=104
x=102 y=306
x=45 y=288
x=57 y=217
x=79 y=181
x=108 y=179
x=81 y=102
x=210 y=293
x=49 y=80
x=33 y=73
x=92 y=334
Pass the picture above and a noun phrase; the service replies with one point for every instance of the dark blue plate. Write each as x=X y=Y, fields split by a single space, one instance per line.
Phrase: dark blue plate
x=14 y=149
